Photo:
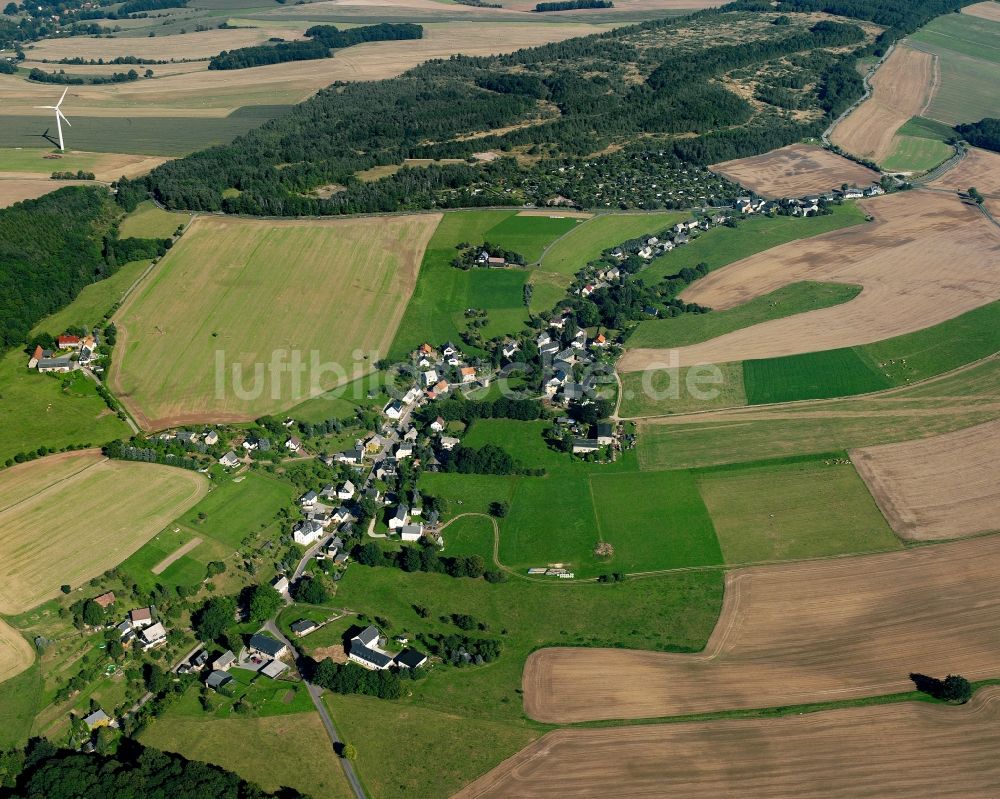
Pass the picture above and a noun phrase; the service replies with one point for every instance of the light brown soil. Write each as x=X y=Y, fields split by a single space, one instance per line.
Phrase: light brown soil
x=175 y=556
x=878 y=752
x=806 y=632
x=921 y=263
x=15 y=187
x=901 y=90
x=335 y=652
x=941 y=487
x=979 y=168
x=794 y=171
x=16 y=654
x=988 y=10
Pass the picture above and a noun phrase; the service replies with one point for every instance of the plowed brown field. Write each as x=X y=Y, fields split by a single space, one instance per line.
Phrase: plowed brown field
x=794 y=171
x=987 y=10
x=896 y=751
x=900 y=90
x=806 y=632
x=942 y=487
x=980 y=168
x=921 y=263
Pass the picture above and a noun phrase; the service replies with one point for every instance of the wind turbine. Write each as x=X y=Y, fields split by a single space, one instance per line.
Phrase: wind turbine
x=60 y=117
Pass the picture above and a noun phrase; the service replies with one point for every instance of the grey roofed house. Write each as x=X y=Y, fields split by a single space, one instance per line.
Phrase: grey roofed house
x=309 y=498
x=341 y=557
x=605 y=430
x=274 y=669
x=377 y=660
x=224 y=661
x=411 y=659
x=585 y=445
x=56 y=365
x=96 y=719
x=266 y=645
x=200 y=659
x=303 y=626
x=368 y=636
x=217 y=679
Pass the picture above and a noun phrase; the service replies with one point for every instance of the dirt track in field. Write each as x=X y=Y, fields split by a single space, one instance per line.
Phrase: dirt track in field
x=926 y=258
x=807 y=632
x=988 y=10
x=794 y=171
x=175 y=556
x=16 y=654
x=901 y=90
x=946 y=486
x=980 y=168
x=899 y=751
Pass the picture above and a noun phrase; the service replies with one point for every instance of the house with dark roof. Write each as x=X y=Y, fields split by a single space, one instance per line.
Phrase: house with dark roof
x=304 y=627
x=262 y=644
x=365 y=648
x=216 y=679
x=410 y=659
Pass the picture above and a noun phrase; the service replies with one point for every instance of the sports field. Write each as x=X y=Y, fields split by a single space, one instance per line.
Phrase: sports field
x=795 y=170
x=896 y=259
x=936 y=488
x=841 y=754
x=901 y=89
x=248 y=296
x=792 y=510
x=60 y=523
x=806 y=632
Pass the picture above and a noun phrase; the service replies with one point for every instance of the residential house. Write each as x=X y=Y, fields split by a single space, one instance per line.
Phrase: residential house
x=68 y=342
x=583 y=446
x=579 y=340
x=97 y=719
x=440 y=389
x=140 y=617
x=509 y=348
x=393 y=410
x=365 y=648
x=106 y=600
x=211 y=438
x=186 y=437
x=410 y=659
x=154 y=635
x=449 y=442
x=411 y=532
x=438 y=425
x=430 y=377
x=410 y=435
x=853 y=193
x=404 y=450
x=468 y=374
x=224 y=661
x=425 y=349
x=411 y=395
x=340 y=515
x=262 y=644
x=280 y=584
x=400 y=518
x=352 y=457
x=605 y=434
x=303 y=627
x=347 y=491
x=229 y=459
x=308 y=499
x=293 y=444
x=307 y=533
x=37 y=355
x=450 y=350
x=217 y=679
x=599 y=341
x=57 y=365
x=543 y=339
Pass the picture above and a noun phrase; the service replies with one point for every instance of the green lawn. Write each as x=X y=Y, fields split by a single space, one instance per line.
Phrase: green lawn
x=233 y=511
x=688 y=389
x=364 y=392
x=793 y=510
x=93 y=302
x=436 y=311
x=590 y=239
x=663 y=613
x=547 y=290
x=472 y=535
x=32 y=159
x=148 y=221
x=814 y=375
x=36 y=411
x=524 y=440
x=723 y=245
x=654 y=520
x=188 y=570
x=687 y=329
x=917 y=154
x=20 y=700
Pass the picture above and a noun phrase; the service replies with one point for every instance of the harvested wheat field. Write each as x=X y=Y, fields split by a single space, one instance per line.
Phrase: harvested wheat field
x=794 y=171
x=934 y=488
x=988 y=10
x=212 y=332
x=979 y=168
x=16 y=654
x=902 y=88
x=898 y=259
x=14 y=187
x=806 y=632
x=217 y=93
x=62 y=519
x=880 y=752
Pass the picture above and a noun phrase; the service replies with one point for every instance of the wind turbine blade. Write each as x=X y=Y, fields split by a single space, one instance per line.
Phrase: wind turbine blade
x=63 y=97
x=59 y=111
x=50 y=107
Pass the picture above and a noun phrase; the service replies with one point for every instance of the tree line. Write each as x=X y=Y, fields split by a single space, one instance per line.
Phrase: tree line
x=573 y=5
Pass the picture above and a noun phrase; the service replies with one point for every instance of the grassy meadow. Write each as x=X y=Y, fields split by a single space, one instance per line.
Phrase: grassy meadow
x=148 y=221
x=920 y=145
x=318 y=289
x=91 y=304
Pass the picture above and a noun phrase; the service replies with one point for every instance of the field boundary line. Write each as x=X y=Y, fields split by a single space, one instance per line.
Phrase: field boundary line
x=62 y=480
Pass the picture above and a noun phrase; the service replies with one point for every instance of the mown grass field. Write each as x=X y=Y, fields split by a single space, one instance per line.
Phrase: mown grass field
x=61 y=520
x=815 y=375
x=723 y=245
x=36 y=411
x=148 y=221
x=19 y=701
x=317 y=290
x=664 y=613
x=94 y=301
x=793 y=510
x=436 y=311
x=32 y=159
x=680 y=331
x=956 y=401
x=917 y=154
x=686 y=389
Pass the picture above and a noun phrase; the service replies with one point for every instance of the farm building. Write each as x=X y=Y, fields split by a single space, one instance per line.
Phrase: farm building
x=265 y=645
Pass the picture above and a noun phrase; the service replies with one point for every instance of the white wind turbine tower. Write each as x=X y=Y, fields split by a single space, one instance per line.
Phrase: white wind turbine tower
x=60 y=117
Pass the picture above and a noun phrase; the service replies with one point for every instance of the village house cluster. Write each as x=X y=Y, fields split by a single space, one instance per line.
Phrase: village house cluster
x=71 y=353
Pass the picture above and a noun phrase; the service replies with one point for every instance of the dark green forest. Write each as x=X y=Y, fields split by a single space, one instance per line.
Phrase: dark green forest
x=985 y=133
x=43 y=771
x=571 y=98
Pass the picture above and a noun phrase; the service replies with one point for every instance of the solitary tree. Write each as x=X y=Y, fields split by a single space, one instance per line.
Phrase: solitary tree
x=956 y=689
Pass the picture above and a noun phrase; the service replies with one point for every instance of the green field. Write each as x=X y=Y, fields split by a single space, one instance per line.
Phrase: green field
x=140 y=135
x=959 y=400
x=20 y=700
x=658 y=392
x=436 y=311
x=30 y=158
x=917 y=154
x=234 y=511
x=590 y=239
x=814 y=375
x=968 y=52
x=723 y=245
x=793 y=510
x=547 y=290
x=687 y=329
x=36 y=411
x=148 y=221
x=663 y=613
x=93 y=302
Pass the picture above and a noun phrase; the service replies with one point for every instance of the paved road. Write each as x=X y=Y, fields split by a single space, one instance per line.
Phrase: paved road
x=316 y=694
